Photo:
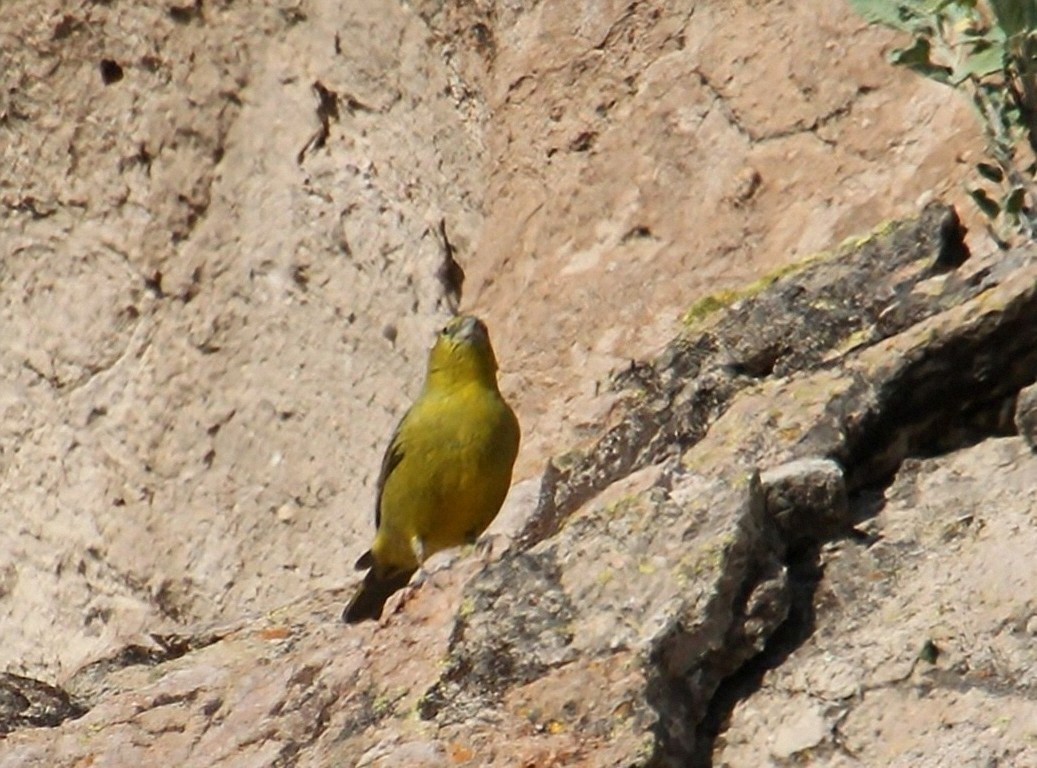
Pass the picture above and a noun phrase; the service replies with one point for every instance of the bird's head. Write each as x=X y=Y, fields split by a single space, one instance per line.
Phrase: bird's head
x=462 y=353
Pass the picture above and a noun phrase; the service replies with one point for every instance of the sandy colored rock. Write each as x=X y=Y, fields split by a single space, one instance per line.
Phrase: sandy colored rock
x=883 y=599
x=197 y=388
x=813 y=487
x=666 y=592
x=227 y=238
x=1026 y=415
x=220 y=270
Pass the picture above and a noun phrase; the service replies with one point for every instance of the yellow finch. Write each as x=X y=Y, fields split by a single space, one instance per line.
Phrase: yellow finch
x=447 y=469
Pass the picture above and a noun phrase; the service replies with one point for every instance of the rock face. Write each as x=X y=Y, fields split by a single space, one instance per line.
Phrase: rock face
x=706 y=605
x=921 y=645
x=227 y=229
x=1026 y=415
x=194 y=303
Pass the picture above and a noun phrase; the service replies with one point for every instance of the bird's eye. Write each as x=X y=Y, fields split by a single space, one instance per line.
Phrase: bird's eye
x=443 y=332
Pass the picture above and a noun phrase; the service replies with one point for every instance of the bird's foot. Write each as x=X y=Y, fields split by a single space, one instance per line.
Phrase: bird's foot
x=405 y=595
x=487 y=544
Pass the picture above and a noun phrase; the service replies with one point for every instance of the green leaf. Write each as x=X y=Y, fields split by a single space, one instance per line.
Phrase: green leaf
x=917 y=58
x=1015 y=16
x=990 y=172
x=986 y=58
x=1014 y=201
x=1012 y=117
x=985 y=203
x=878 y=12
x=899 y=14
x=960 y=15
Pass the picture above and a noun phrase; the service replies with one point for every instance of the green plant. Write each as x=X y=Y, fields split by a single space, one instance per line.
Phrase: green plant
x=989 y=49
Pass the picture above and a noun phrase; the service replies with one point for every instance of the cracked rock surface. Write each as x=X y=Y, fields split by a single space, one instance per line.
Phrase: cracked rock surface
x=226 y=232
x=922 y=653
x=716 y=614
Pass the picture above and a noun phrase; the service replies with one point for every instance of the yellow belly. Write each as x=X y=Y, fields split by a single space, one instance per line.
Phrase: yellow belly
x=458 y=452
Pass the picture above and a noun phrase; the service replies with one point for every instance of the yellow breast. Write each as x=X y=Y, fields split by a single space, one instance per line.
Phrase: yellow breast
x=458 y=448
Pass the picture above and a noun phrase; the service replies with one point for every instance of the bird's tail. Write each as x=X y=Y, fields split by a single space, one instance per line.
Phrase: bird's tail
x=369 y=600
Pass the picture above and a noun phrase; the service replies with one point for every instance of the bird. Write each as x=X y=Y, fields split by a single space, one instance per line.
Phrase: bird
x=447 y=468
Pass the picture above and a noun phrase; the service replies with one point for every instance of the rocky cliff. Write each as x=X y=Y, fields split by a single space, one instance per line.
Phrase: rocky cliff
x=795 y=527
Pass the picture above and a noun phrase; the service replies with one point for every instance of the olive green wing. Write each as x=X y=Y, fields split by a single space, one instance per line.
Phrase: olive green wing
x=392 y=458
x=390 y=461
